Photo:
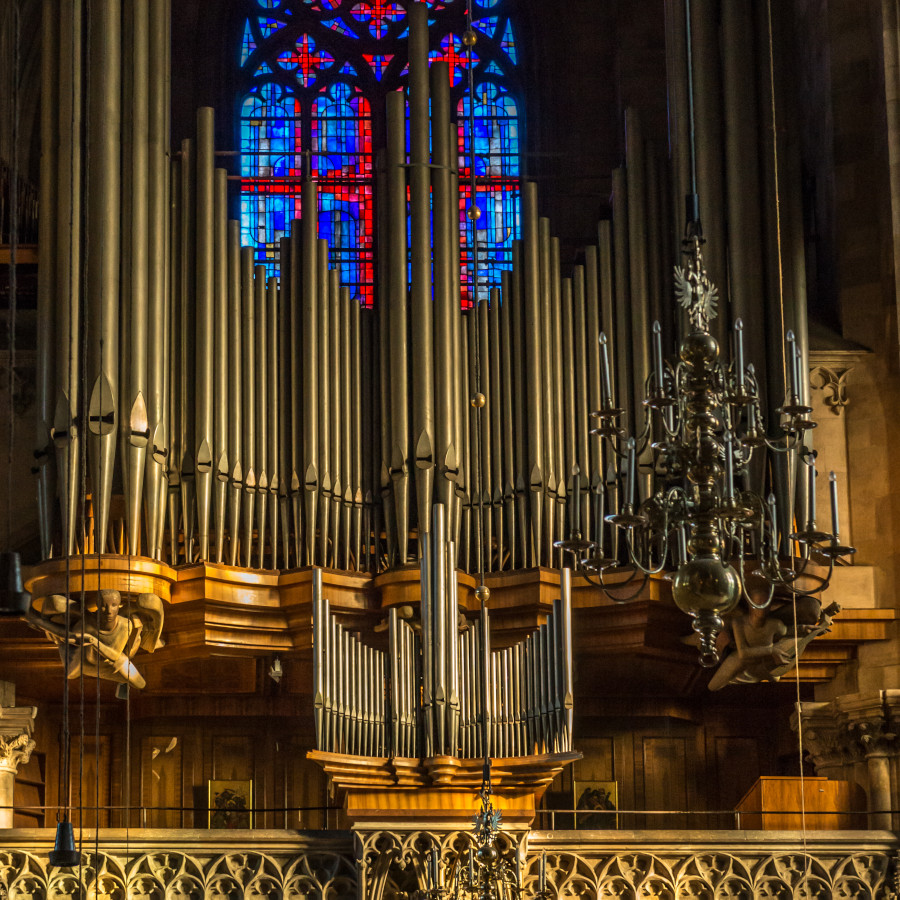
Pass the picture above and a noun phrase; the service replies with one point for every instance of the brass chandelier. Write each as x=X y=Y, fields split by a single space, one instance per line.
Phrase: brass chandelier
x=702 y=425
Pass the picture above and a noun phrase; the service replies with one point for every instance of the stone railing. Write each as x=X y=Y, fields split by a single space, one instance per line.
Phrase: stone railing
x=585 y=865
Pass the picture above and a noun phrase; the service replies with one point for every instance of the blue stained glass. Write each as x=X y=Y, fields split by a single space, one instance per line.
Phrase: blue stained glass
x=339 y=26
x=507 y=42
x=497 y=196
x=486 y=25
x=496 y=132
x=248 y=45
x=263 y=69
x=347 y=69
x=378 y=63
x=267 y=26
x=494 y=69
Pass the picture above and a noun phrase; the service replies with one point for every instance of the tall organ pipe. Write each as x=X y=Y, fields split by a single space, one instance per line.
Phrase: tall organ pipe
x=220 y=396
x=205 y=325
x=235 y=388
x=284 y=391
x=159 y=296
x=548 y=388
x=173 y=395
x=346 y=433
x=507 y=418
x=310 y=424
x=272 y=410
x=49 y=204
x=104 y=232
x=517 y=340
x=248 y=438
x=494 y=406
x=260 y=323
x=326 y=410
x=533 y=366
x=397 y=318
x=420 y=284
x=134 y=420
x=338 y=476
x=445 y=305
x=621 y=336
x=356 y=443
x=186 y=337
x=637 y=262
x=296 y=491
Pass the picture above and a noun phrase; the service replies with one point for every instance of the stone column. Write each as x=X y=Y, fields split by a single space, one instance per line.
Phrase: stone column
x=854 y=738
x=16 y=726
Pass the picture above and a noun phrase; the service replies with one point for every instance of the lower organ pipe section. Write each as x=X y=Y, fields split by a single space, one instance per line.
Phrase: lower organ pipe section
x=368 y=701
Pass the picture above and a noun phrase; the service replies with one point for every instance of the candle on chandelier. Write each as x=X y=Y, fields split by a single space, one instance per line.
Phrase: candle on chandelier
x=657 y=355
x=774 y=517
x=812 y=488
x=681 y=539
x=576 y=499
x=471 y=867
x=605 y=379
x=832 y=484
x=795 y=367
x=739 y=352
x=729 y=467
x=543 y=871
x=599 y=515
x=630 y=473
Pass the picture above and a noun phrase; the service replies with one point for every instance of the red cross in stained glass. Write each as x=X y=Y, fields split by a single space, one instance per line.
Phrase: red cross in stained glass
x=379 y=14
x=452 y=52
x=307 y=58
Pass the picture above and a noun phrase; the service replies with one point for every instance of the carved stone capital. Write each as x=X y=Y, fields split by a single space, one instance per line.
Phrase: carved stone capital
x=16 y=745
x=14 y=752
x=832 y=381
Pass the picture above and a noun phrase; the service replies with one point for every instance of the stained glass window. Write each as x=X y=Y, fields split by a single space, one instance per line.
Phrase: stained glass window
x=315 y=74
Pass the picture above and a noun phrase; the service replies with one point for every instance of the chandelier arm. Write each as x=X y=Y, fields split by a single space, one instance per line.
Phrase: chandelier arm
x=640 y=589
x=647 y=570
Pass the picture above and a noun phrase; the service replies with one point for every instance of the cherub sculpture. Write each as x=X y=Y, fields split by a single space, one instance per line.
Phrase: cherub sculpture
x=103 y=644
x=766 y=646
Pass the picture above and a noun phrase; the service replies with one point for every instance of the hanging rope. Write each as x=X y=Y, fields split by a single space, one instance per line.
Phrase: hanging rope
x=13 y=249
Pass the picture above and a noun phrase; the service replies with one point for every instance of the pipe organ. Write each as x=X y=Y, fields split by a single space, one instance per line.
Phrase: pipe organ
x=215 y=411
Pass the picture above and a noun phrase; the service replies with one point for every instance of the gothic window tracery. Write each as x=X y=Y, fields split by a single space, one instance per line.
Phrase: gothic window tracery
x=315 y=74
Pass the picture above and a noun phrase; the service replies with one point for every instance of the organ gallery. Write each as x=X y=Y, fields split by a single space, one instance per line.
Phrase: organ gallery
x=449 y=449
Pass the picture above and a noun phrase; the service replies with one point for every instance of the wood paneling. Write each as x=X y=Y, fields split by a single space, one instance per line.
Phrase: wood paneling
x=161 y=782
x=90 y=777
x=665 y=776
x=737 y=762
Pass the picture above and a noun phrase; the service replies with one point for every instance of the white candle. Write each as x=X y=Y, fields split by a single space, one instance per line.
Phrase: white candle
x=729 y=467
x=630 y=473
x=605 y=380
x=795 y=373
x=739 y=352
x=773 y=515
x=832 y=484
x=657 y=355
x=812 y=489
x=543 y=871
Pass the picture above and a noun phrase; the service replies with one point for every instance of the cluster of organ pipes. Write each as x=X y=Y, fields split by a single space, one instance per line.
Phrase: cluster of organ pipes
x=425 y=694
x=214 y=413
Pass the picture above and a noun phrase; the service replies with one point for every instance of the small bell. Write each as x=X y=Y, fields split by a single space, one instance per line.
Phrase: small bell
x=14 y=601
x=64 y=855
